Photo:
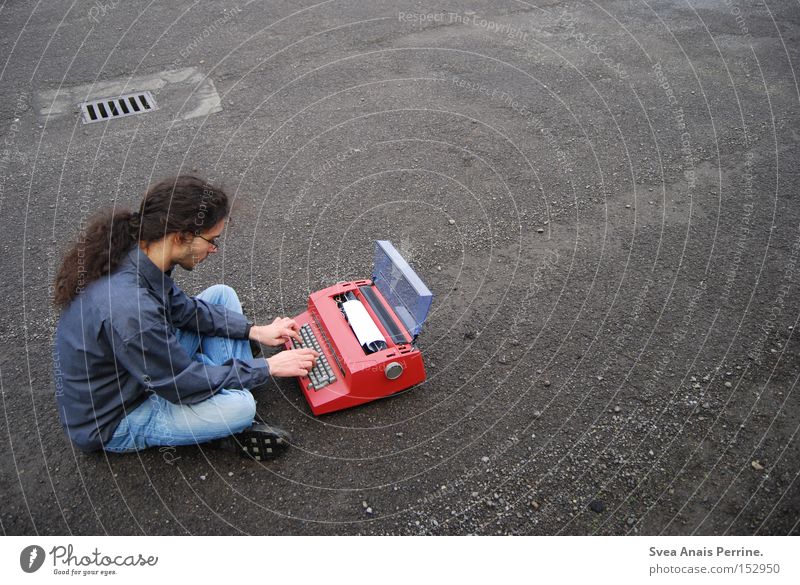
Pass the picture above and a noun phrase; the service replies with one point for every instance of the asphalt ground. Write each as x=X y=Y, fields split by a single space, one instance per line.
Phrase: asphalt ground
x=600 y=195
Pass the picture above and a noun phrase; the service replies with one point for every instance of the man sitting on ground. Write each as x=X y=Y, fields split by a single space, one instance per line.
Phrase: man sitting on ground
x=140 y=364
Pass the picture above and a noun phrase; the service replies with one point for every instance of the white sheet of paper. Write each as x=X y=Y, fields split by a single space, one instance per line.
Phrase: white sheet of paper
x=363 y=326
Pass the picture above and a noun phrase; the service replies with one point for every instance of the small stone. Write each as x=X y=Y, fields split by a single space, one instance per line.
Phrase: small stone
x=535 y=505
x=631 y=521
x=547 y=382
x=728 y=385
x=537 y=413
x=230 y=474
x=540 y=231
x=451 y=221
x=485 y=459
x=617 y=409
x=627 y=207
x=202 y=478
x=597 y=506
x=369 y=510
x=364 y=504
x=599 y=378
x=757 y=466
x=474 y=494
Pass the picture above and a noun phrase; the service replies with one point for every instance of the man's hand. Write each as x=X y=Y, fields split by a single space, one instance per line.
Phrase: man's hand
x=292 y=362
x=279 y=332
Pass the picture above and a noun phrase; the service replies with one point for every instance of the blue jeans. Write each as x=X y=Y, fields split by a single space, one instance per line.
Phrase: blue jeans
x=158 y=422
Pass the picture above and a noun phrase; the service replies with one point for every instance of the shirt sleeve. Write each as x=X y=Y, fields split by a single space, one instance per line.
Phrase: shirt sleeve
x=156 y=359
x=205 y=318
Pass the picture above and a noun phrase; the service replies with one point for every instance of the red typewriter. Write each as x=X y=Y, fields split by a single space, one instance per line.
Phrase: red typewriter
x=365 y=331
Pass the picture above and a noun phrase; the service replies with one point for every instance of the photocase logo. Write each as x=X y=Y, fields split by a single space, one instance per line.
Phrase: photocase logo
x=31 y=558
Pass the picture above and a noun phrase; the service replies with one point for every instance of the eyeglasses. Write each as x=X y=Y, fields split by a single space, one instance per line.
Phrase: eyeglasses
x=214 y=242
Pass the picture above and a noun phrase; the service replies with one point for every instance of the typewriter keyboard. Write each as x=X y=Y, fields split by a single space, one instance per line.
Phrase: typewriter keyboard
x=321 y=374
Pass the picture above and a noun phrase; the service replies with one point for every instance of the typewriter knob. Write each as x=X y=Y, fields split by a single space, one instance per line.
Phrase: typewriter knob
x=393 y=370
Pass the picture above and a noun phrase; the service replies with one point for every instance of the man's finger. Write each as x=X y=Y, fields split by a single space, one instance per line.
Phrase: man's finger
x=287 y=322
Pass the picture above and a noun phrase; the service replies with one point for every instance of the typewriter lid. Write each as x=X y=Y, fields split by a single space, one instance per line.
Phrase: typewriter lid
x=405 y=292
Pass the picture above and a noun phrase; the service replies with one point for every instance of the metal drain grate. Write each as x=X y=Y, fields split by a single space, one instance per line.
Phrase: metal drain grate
x=118 y=107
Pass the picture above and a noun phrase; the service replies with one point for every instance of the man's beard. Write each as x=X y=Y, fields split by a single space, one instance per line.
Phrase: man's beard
x=189 y=263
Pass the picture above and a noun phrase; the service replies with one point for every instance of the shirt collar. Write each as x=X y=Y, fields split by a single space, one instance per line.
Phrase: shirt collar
x=156 y=280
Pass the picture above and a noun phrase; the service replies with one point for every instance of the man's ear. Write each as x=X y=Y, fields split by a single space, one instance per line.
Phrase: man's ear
x=181 y=238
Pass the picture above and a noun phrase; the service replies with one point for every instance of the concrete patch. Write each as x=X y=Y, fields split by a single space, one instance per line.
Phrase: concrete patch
x=181 y=94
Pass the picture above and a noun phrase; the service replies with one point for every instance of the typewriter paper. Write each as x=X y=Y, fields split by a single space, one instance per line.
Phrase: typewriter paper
x=363 y=326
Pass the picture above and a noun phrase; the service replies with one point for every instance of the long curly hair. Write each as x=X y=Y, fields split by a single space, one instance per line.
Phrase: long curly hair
x=184 y=204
